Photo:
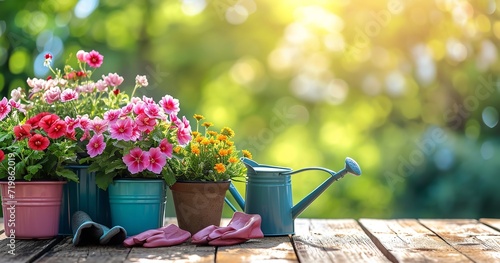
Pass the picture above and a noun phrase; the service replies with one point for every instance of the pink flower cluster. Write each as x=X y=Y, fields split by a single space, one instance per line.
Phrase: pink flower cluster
x=135 y=122
x=92 y=58
x=54 y=90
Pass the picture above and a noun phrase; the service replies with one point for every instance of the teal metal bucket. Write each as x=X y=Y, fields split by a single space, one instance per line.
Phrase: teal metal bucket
x=137 y=205
x=83 y=196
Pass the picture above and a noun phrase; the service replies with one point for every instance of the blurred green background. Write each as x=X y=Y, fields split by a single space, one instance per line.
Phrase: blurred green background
x=409 y=89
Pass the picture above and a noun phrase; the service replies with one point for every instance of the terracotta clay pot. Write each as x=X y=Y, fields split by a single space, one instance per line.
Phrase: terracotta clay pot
x=198 y=204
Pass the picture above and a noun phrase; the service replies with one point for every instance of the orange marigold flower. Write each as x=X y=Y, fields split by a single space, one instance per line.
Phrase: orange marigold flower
x=223 y=152
x=198 y=139
x=233 y=160
x=199 y=117
x=227 y=131
x=212 y=133
x=221 y=137
x=207 y=124
x=205 y=141
x=220 y=168
x=247 y=154
x=177 y=149
x=229 y=143
x=195 y=133
x=212 y=141
x=195 y=150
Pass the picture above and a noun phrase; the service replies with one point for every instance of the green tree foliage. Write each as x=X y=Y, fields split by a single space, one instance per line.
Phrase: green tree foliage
x=409 y=89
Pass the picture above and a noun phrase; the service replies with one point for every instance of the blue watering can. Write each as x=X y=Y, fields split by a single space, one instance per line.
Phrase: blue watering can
x=269 y=194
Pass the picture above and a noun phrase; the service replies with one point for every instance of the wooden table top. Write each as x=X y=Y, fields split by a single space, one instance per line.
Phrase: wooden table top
x=316 y=240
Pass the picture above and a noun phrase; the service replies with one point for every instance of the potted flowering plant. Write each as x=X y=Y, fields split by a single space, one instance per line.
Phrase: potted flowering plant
x=128 y=150
x=40 y=135
x=200 y=173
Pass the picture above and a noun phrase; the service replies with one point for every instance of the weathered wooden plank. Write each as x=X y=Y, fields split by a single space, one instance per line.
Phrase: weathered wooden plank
x=340 y=240
x=181 y=253
x=406 y=240
x=257 y=250
x=24 y=250
x=492 y=222
x=64 y=252
x=475 y=240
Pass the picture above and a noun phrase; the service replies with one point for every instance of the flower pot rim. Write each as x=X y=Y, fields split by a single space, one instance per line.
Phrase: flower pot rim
x=34 y=182
x=138 y=179
x=203 y=182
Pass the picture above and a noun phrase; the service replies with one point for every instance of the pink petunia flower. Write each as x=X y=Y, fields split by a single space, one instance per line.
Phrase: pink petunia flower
x=126 y=110
x=156 y=160
x=69 y=95
x=101 y=85
x=71 y=123
x=96 y=145
x=141 y=81
x=122 y=129
x=139 y=107
x=94 y=59
x=52 y=95
x=87 y=87
x=170 y=105
x=112 y=79
x=148 y=100
x=16 y=94
x=145 y=123
x=166 y=148
x=183 y=134
x=112 y=115
x=153 y=111
x=4 y=108
x=136 y=160
x=81 y=55
x=174 y=119
x=83 y=123
x=98 y=126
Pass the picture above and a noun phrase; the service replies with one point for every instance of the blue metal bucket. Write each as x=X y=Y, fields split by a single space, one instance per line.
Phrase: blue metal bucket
x=137 y=205
x=83 y=196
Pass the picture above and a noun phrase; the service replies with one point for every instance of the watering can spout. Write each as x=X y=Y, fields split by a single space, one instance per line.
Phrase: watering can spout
x=350 y=167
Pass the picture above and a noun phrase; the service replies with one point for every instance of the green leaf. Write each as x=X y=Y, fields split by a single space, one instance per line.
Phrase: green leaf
x=114 y=165
x=104 y=180
x=33 y=169
x=68 y=174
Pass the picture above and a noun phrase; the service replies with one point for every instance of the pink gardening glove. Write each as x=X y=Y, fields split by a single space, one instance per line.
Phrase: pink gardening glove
x=241 y=228
x=172 y=235
x=165 y=236
x=139 y=239
x=201 y=237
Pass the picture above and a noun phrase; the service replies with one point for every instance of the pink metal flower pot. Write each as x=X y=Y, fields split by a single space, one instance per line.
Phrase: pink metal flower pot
x=31 y=209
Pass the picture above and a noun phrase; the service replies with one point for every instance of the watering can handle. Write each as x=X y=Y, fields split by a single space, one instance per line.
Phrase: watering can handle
x=308 y=169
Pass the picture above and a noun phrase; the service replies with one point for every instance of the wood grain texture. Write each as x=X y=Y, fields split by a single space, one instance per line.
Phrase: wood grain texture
x=180 y=253
x=341 y=240
x=492 y=222
x=472 y=238
x=64 y=251
x=406 y=240
x=276 y=249
x=24 y=250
